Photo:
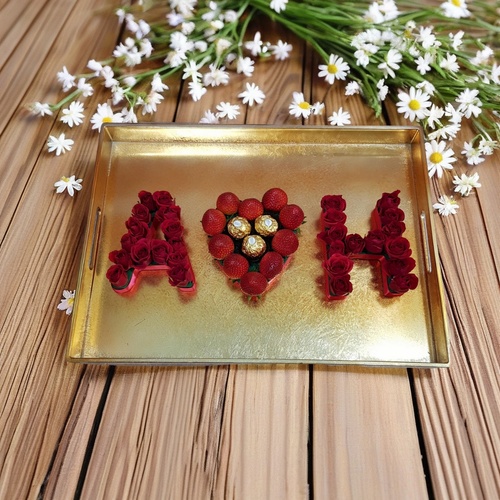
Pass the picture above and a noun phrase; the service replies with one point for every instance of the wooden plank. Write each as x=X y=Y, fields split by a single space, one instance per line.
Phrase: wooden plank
x=365 y=443
x=39 y=260
x=459 y=407
x=206 y=425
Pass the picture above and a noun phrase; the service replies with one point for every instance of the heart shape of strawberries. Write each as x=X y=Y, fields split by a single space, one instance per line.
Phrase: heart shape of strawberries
x=252 y=240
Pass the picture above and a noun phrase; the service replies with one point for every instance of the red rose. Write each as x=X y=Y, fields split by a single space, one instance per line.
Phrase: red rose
x=332 y=233
x=401 y=284
x=121 y=258
x=166 y=212
x=392 y=215
x=147 y=199
x=374 y=241
x=117 y=276
x=399 y=267
x=332 y=216
x=394 y=229
x=355 y=243
x=336 y=246
x=398 y=248
x=388 y=200
x=338 y=265
x=178 y=275
x=160 y=251
x=340 y=286
x=141 y=253
x=141 y=212
x=127 y=241
x=333 y=201
x=163 y=198
x=172 y=229
x=137 y=228
x=178 y=255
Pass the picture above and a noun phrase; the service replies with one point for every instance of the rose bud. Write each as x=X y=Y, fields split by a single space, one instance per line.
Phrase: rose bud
x=394 y=229
x=401 y=284
x=388 y=200
x=172 y=229
x=127 y=241
x=117 y=276
x=333 y=201
x=121 y=258
x=338 y=265
x=374 y=241
x=163 y=198
x=398 y=248
x=172 y=211
x=392 y=215
x=146 y=198
x=399 y=267
x=340 y=286
x=355 y=243
x=332 y=216
x=141 y=212
x=332 y=233
x=141 y=253
x=137 y=228
x=160 y=251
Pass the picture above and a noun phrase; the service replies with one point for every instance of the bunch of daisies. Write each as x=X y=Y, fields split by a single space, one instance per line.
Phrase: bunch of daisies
x=437 y=64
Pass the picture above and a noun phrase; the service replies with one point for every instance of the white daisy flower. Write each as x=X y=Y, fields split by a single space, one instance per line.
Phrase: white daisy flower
x=129 y=115
x=391 y=63
x=414 y=104
x=59 y=144
x=157 y=85
x=281 y=50
x=352 y=88
x=336 y=68
x=383 y=90
x=252 y=94
x=456 y=39
x=469 y=103
x=245 y=65
x=455 y=9
x=150 y=103
x=438 y=158
x=255 y=45
x=95 y=66
x=449 y=63
x=487 y=146
x=84 y=87
x=73 y=114
x=278 y=5
x=68 y=183
x=66 y=79
x=105 y=114
x=317 y=108
x=216 y=76
x=424 y=63
x=196 y=90
x=446 y=132
x=67 y=302
x=209 y=118
x=299 y=106
x=227 y=110
x=435 y=115
x=465 y=183
x=340 y=118
x=473 y=155
x=446 y=206
x=40 y=109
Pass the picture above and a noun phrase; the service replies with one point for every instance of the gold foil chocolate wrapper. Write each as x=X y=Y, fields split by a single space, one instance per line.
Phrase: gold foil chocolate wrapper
x=253 y=245
x=265 y=225
x=239 y=227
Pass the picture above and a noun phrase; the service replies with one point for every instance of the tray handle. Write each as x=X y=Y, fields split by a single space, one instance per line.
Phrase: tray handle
x=95 y=233
x=425 y=239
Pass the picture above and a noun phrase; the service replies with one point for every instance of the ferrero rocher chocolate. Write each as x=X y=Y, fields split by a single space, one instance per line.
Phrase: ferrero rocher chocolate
x=265 y=225
x=238 y=227
x=253 y=245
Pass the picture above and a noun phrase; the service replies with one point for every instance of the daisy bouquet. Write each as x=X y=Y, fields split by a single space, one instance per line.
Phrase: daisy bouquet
x=437 y=64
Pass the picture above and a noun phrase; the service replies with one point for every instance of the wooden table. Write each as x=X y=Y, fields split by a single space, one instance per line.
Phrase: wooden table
x=225 y=431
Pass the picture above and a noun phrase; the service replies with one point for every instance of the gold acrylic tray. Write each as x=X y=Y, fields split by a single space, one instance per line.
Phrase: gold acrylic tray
x=293 y=323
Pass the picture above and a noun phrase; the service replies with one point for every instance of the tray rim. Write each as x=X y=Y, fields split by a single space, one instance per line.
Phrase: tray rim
x=119 y=132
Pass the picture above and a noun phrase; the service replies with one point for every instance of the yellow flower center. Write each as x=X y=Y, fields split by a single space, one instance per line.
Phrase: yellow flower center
x=457 y=3
x=107 y=119
x=304 y=105
x=414 y=105
x=332 y=68
x=64 y=179
x=436 y=157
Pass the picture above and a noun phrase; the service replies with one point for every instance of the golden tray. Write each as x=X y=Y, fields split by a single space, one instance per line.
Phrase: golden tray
x=293 y=323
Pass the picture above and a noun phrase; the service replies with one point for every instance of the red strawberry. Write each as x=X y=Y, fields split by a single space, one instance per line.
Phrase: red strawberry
x=271 y=265
x=291 y=216
x=213 y=221
x=253 y=283
x=274 y=199
x=220 y=246
x=285 y=242
x=250 y=208
x=228 y=203
x=235 y=266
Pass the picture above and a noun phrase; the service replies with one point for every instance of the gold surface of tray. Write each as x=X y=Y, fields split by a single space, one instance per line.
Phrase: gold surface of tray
x=293 y=323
